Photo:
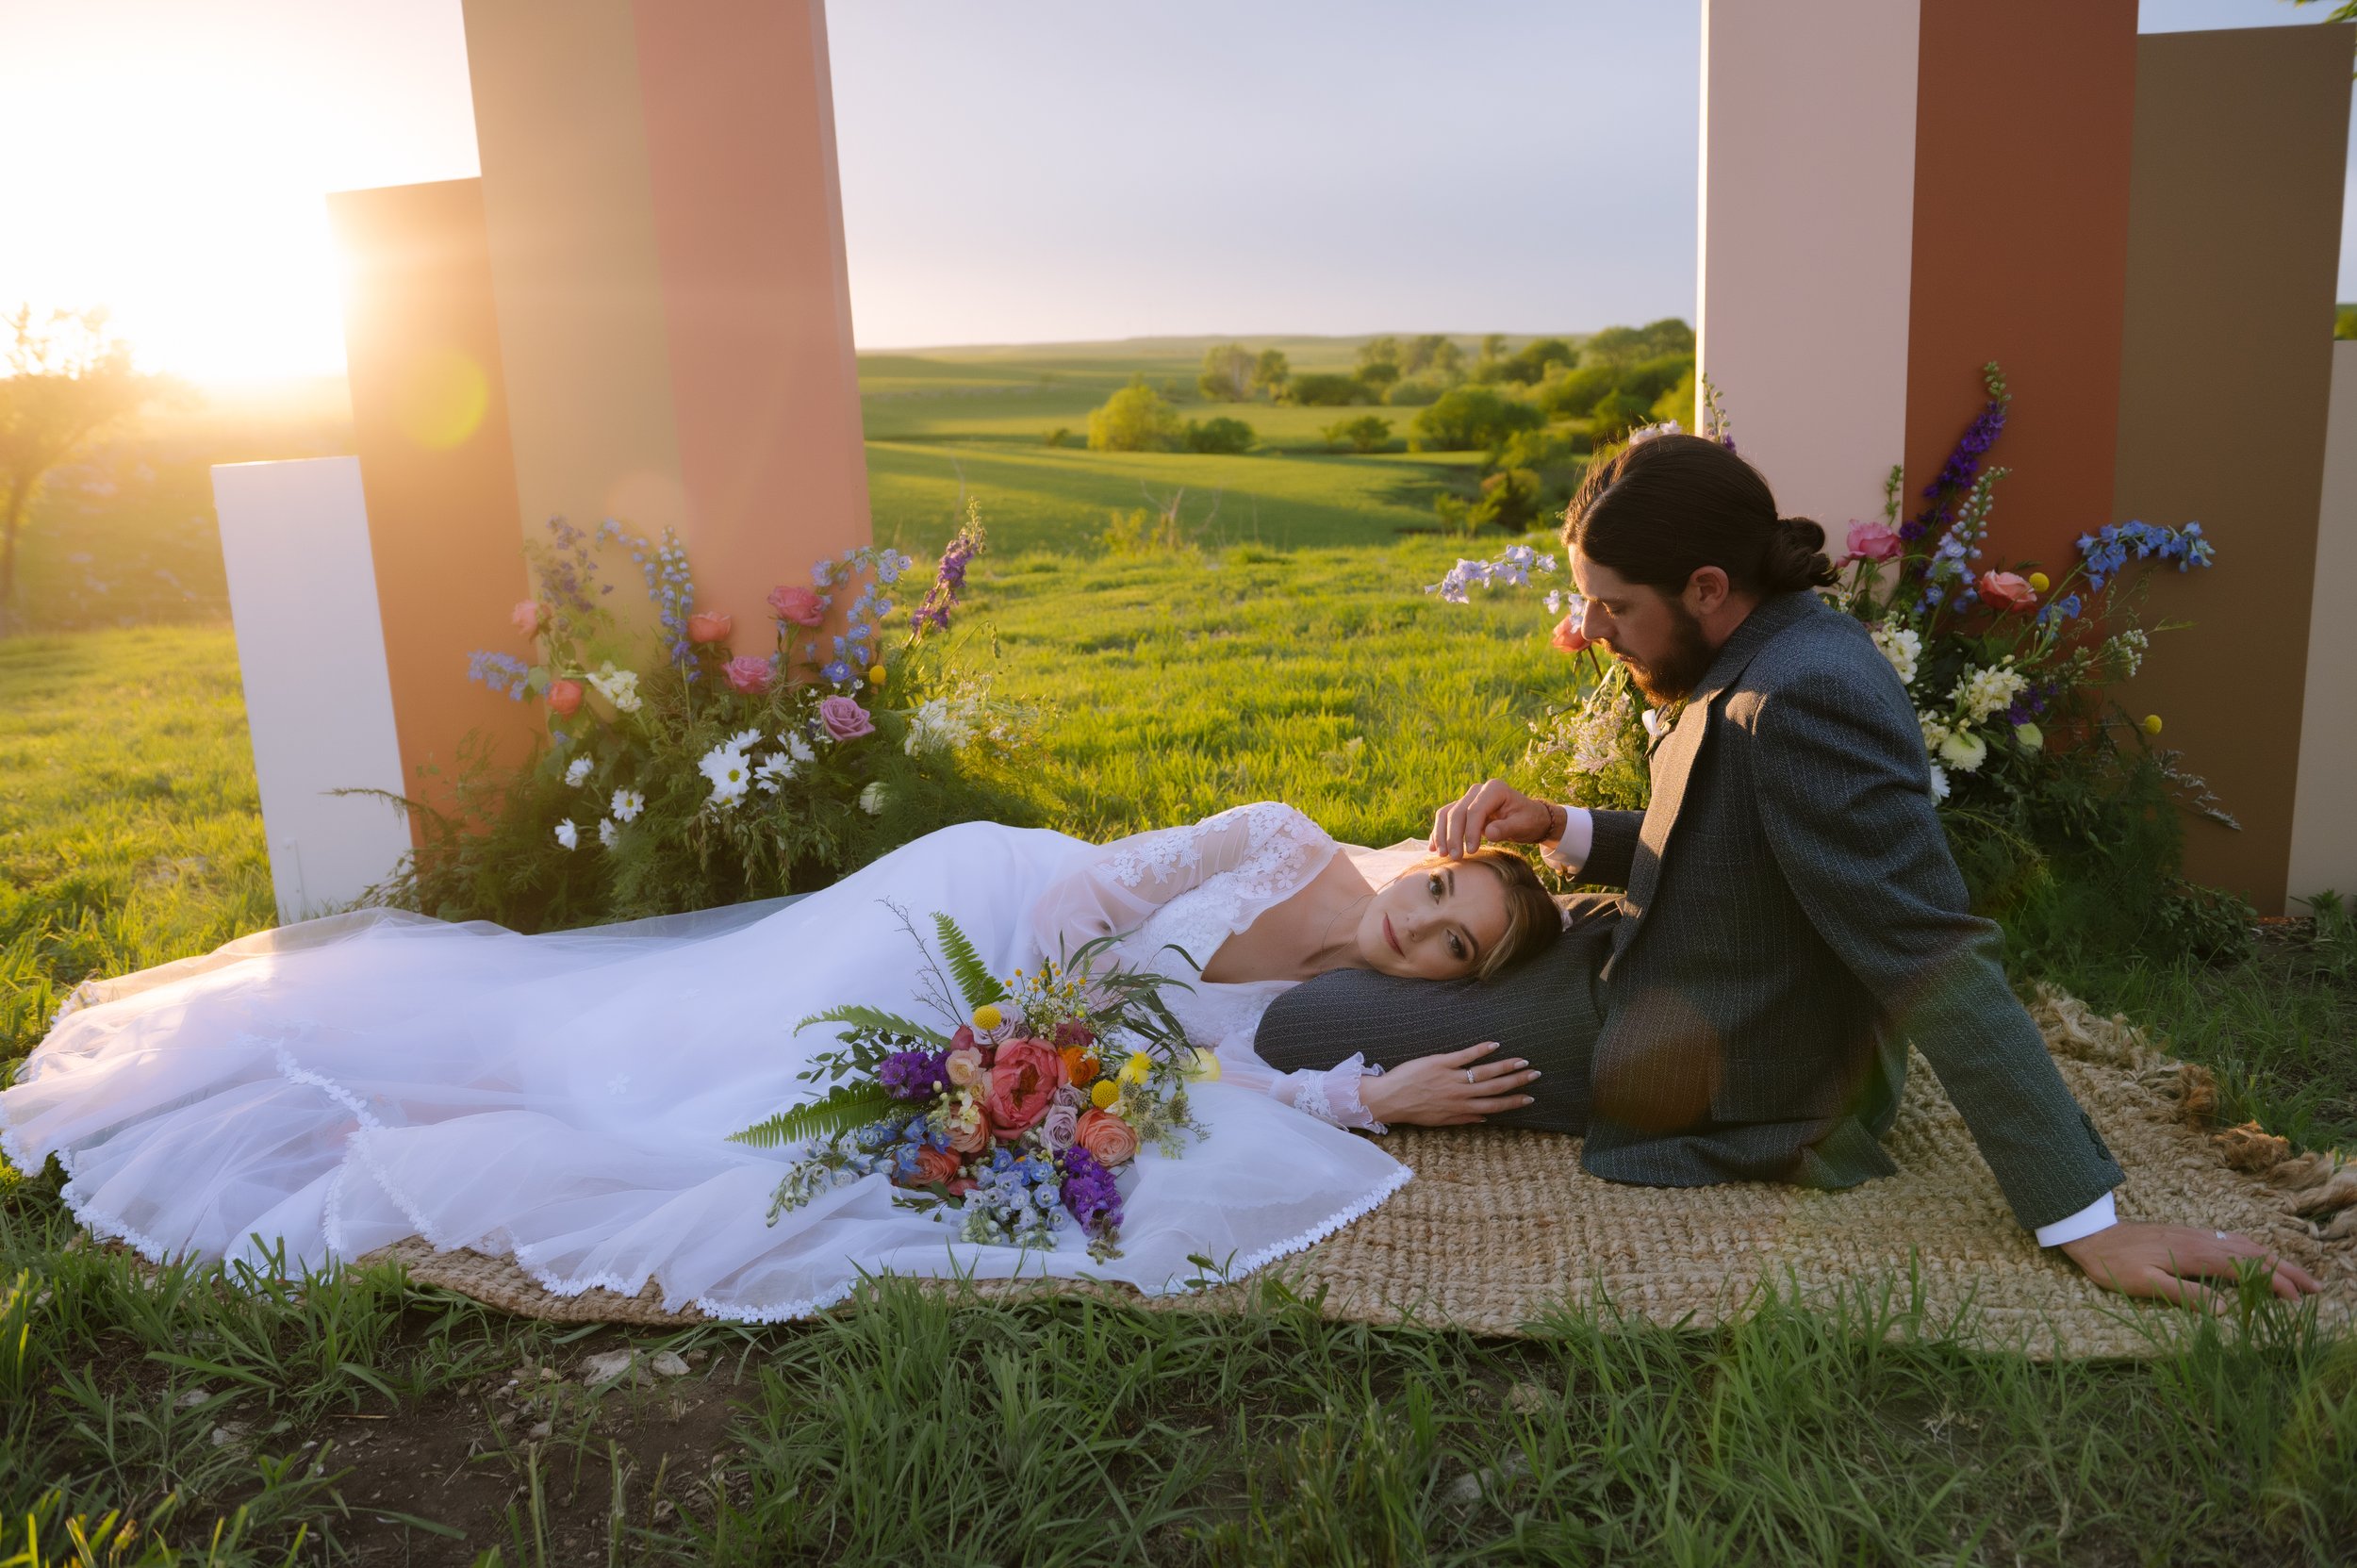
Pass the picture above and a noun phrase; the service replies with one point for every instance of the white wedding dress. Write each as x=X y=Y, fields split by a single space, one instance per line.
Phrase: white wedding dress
x=306 y=1095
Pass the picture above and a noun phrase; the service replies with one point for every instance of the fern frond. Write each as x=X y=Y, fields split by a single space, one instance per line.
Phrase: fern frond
x=975 y=982
x=877 y=1018
x=847 y=1108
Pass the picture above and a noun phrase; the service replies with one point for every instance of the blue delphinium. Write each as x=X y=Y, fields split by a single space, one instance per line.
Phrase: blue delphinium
x=501 y=672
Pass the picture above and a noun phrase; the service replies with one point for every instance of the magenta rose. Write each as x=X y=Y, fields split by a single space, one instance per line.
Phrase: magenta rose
x=843 y=718
x=797 y=605
x=748 y=675
x=1872 y=541
x=1023 y=1083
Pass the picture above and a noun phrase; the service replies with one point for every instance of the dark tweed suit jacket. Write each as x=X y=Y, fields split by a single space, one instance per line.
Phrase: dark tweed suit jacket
x=1792 y=919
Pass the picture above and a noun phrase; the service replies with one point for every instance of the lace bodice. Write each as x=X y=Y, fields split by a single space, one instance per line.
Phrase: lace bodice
x=1172 y=896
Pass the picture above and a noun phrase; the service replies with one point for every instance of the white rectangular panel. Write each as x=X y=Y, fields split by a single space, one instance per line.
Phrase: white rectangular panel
x=294 y=539
x=2324 y=809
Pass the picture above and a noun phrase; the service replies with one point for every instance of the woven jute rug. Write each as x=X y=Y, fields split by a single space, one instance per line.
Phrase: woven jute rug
x=1501 y=1231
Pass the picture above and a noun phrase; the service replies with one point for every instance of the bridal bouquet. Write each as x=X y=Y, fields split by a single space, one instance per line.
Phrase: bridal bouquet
x=1020 y=1118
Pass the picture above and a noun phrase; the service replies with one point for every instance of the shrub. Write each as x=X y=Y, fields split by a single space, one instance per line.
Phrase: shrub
x=1139 y=532
x=1551 y=446
x=1416 y=391
x=1575 y=392
x=1226 y=375
x=1060 y=435
x=1326 y=390
x=1134 y=419
x=1221 y=435
x=1615 y=415
x=1654 y=377
x=1677 y=404
x=1531 y=363
x=1367 y=432
x=1470 y=418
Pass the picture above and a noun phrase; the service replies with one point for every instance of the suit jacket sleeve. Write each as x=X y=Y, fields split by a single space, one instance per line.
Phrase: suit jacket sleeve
x=1848 y=814
x=1612 y=849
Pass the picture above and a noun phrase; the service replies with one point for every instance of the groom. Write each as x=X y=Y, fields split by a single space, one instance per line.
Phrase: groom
x=1793 y=917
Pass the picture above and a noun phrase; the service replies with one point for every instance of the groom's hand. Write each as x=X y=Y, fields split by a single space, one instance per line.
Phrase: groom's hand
x=1492 y=813
x=2172 y=1261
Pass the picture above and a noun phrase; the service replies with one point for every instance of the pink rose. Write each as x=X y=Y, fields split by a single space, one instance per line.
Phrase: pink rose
x=797 y=605
x=1872 y=541
x=843 y=718
x=1023 y=1085
x=527 y=616
x=709 y=626
x=965 y=1067
x=962 y=1185
x=1057 y=1127
x=1114 y=1141
x=935 y=1165
x=1566 y=636
x=565 y=697
x=2007 y=591
x=748 y=675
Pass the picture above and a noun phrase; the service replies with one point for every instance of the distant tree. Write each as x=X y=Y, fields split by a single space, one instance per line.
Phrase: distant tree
x=1378 y=361
x=1271 y=371
x=1227 y=373
x=1326 y=390
x=1669 y=334
x=1531 y=363
x=2344 y=319
x=1615 y=415
x=1614 y=345
x=1649 y=378
x=1510 y=499
x=1415 y=391
x=1060 y=435
x=1135 y=419
x=1551 y=446
x=1575 y=392
x=1222 y=435
x=1678 y=403
x=1489 y=366
x=1433 y=353
x=68 y=381
x=1470 y=418
x=1367 y=432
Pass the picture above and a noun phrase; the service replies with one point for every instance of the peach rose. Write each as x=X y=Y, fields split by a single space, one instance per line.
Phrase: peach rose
x=1024 y=1079
x=965 y=1067
x=709 y=626
x=972 y=1136
x=935 y=1165
x=565 y=697
x=797 y=605
x=1114 y=1141
x=2005 y=590
x=1567 y=637
x=1874 y=541
x=527 y=616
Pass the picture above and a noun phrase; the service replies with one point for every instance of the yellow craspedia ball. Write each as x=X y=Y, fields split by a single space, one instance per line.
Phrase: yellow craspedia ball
x=2040 y=582
x=876 y=673
x=988 y=1017
x=2152 y=723
x=1104 y=1093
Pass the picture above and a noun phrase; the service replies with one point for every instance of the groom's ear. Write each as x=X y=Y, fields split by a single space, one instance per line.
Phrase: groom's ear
x=1706 y=589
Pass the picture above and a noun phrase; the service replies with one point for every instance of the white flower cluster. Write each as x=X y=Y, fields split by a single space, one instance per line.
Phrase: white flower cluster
x=617 y=686
x=1593 y=733
x=2127 y=651
x=940 y=724
x=1904 y=647
x=1983 y=692
x=732 y=772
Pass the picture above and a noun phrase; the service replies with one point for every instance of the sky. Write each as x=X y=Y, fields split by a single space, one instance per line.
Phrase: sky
x=1023 y=171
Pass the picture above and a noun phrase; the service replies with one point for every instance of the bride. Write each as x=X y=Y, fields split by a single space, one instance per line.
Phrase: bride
x=309 y=1094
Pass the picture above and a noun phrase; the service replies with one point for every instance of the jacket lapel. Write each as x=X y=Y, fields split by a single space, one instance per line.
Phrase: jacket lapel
x=1675 y=756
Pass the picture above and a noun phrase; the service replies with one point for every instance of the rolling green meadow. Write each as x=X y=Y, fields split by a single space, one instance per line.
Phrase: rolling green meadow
x=1284 y=649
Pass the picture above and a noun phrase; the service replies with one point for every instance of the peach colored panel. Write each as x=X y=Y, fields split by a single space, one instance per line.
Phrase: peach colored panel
x=429 y=412
x=2235 y=239
x=2021 y=148
x=757 y=308
x=1807 y=181
x=568 y=210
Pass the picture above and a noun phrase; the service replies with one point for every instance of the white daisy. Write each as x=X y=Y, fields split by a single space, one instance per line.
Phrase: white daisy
x=730 y=772
x=607 y=832
x=577 y=771
x=568 y=835
x=628 y=803
x=770 y=772
x=797 y=747
x=872 y=799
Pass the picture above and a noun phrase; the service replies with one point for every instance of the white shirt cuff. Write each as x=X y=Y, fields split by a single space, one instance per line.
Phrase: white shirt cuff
x=2102 y=1215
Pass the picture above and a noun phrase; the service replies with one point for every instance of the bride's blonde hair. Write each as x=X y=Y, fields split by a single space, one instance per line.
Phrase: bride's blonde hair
x=1533 y=918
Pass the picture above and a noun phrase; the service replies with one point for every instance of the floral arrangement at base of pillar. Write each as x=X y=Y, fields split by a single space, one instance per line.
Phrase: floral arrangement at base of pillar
x=2061 y=809
x=693 y=775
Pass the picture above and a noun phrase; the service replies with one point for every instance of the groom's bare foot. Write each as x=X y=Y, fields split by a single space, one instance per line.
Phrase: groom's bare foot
x=2171 y=1261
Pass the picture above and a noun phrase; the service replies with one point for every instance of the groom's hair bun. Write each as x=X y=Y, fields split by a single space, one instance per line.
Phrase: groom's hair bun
x=1658 y=511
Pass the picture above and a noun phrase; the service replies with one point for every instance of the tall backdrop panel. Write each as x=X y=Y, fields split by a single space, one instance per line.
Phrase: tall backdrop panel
x=2324 y=826
x=2233 y=251
x=1809 y=197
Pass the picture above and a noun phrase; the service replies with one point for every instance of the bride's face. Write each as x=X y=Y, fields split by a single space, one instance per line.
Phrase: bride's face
x=1434 y=922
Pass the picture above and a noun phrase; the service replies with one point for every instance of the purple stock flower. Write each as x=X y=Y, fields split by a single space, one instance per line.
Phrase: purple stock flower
x=1089 y=1193
x=915 y=1074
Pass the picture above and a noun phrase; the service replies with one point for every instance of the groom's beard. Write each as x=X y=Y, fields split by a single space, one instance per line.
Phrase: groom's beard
x=1675 y=675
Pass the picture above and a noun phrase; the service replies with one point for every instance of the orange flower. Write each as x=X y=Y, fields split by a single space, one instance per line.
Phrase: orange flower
x=1081 y=1063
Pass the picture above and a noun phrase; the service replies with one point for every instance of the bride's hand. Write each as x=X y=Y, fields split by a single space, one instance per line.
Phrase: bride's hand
x=1447 y=1090
x=1491 y=813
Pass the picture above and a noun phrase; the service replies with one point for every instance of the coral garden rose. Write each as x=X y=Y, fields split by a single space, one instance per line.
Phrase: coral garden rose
x=565 y=697
x=1057 y=1127
x=965 y=1065
x=1113 y=1140
x=748 y=675
x=709 y=626
x=1024 y=1079
x=2007 y=591
x=843 y=718
x=934 y=1165
x=526 y=615
x=1874 y=541
x=1567 y=636
x=797 y=605
x=970 y=1134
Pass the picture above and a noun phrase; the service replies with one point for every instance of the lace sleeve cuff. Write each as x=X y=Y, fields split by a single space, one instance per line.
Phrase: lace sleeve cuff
x=1332 y=1095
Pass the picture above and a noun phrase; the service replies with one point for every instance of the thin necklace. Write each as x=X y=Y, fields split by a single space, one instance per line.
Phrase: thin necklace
x=1323 y=936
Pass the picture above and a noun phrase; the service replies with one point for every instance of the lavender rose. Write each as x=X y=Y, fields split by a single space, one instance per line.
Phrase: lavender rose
x=845 y=719
x=1056 y=1128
